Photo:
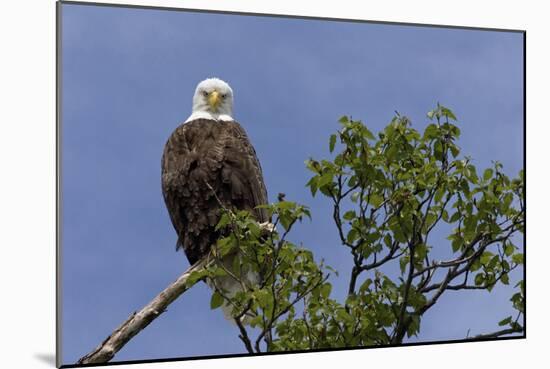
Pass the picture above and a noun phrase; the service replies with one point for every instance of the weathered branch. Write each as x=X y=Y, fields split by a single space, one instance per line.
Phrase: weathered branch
x=446 y=264
x=503 y=332
x=138 y=321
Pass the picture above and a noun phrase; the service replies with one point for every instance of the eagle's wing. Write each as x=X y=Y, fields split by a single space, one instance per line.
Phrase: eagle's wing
x=247 y=173
x=176 y=161
x=204 y=163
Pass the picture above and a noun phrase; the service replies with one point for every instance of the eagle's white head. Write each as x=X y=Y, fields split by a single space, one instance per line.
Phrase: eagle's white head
x=213 y=99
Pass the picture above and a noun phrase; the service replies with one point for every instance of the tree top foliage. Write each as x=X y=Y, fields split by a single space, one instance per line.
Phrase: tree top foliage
x=389 y=192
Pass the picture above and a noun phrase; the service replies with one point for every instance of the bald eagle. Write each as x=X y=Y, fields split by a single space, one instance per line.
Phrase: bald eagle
x=207 y=160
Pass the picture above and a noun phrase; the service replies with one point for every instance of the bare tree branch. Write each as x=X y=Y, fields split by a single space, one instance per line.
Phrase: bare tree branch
x=390 y=256
x=138 y=321
x=244 y=335
x=502 y=332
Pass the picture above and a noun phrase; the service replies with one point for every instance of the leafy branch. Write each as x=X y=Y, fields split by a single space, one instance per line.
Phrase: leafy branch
x=389 y=193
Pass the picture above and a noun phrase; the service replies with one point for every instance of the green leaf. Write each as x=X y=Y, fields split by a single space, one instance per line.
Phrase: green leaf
x=454 y=150
x=470 y=223
x=438 y=150
x=505 y=321
x=325 y=179
x=430 y=219
x=486 y=257
x=494 y=261
x=352 y=235
x=387 y=240
x=343 y=119
x=475 y=265
x=399 y=236
x=455 y=130
x=480 y=278
x=508 y=198
x=325 y=290
x=439 y=194
x=365 y=286
x=505 y=279
x=421 y=251
x=225 y=219
x=509 y=249
x=448 y=113
x=264 y=299
x=332 y=142
x=349 y=215
x=195 y=277
x=487 y=174
x=454 y=217
x=313 y=165
x=471 y=174
x=313 y=185
x=343 y=315
x=216 y=301
x=414 y=326
x=376 y=200
x=286 y=205
x=456 y=244
x=403 y=262
x=517 y=258
x=224 y=245
x=431 y=132
x=368 y=134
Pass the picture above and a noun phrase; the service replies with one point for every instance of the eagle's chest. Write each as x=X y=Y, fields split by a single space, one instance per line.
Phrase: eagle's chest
x=209 y=136
x=212 y=154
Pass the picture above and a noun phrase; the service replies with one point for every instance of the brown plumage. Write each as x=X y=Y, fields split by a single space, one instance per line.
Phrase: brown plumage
x=206 y=152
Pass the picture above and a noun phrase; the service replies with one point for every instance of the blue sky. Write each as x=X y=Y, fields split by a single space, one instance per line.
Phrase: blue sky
x=128 y=79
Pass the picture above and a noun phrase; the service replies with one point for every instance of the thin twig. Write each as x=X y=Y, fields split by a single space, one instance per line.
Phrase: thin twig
x=502 y=332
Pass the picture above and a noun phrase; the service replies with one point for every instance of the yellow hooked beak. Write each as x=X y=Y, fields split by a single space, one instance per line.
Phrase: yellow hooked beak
x=214 y=100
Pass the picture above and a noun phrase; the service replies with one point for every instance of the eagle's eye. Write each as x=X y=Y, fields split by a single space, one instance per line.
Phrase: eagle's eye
x=224 y=96
x=204 y=93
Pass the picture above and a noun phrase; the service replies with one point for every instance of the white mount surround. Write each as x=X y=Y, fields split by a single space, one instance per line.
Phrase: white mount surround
x=32 y=23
